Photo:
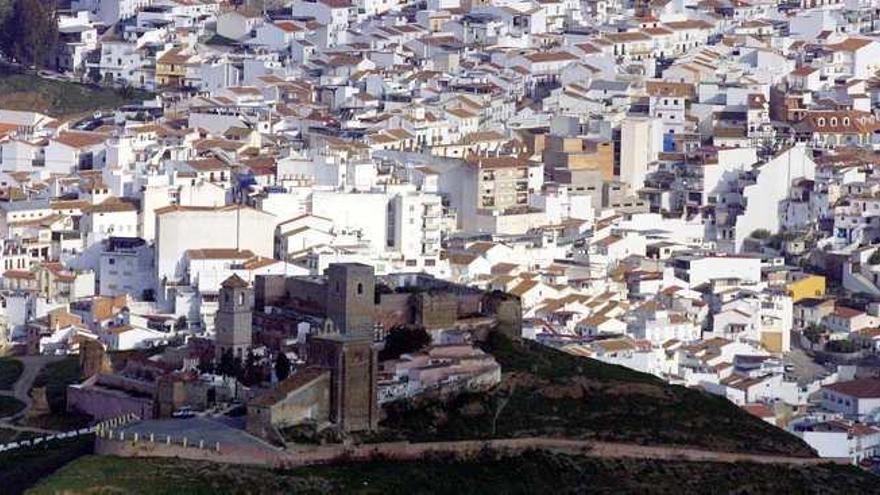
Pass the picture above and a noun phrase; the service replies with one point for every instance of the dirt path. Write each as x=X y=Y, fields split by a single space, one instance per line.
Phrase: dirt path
x=304 y=455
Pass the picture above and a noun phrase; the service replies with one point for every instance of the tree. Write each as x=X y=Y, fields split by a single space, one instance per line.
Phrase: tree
x=250 y=373
x=30 y=31
x=181 y=323
x=814 y=333
x=227 y=364
x=237 y=368
x=841 y=346
x=206 y=364
x=282 y=366
x=403 y=340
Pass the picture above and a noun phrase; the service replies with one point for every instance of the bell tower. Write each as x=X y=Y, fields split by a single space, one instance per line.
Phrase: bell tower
x=233 y=323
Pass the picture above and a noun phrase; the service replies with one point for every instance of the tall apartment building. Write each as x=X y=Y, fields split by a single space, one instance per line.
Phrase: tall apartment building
x=414 y=224
x=639 y=145
x=499 y=183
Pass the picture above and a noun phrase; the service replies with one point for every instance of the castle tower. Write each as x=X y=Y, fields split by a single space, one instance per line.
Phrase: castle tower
x=353 y=364
x=351 y=298
x=233 y=322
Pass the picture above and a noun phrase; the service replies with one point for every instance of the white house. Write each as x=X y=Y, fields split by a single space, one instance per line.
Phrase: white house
x=854 y=399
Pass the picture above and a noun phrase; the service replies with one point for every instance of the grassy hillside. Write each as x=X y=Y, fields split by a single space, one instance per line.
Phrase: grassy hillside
x=532 y=473
x=22 y=468
x=10 y=370
x=546 y=392
x=9 y=406
x=27 y=91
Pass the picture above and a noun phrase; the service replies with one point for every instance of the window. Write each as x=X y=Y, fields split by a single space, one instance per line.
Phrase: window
x=833 y=121
x=820 y=122
x=241 y=298
x=360 y=288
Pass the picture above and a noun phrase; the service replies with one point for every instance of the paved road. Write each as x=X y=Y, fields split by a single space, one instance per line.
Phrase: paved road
x=194 y=429
x=21 y=389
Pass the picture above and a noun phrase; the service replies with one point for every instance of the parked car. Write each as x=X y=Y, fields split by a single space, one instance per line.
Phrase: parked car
x=183 y=412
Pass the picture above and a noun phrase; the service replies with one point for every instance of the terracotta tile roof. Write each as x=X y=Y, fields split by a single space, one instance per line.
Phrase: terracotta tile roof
x=207 y=164
x=174 y=56
x=288 y=26
x=80 y=139
x=759 y=410
x=489 y=162
x=850 y=45
x=523 y=287
x=219 y=254
x=19 y=275
x=550 y=57
x=632 y=36
x=111 y=205
x=865 y=388
x=847 y=313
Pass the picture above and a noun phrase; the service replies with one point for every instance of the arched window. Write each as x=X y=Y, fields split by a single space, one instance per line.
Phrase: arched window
x=820 y=122
x=833 y=121
x=846 y=121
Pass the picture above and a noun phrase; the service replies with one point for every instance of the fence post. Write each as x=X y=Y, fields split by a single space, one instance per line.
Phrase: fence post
x=167 y=439
x=135 y=437
x=217 y=447
x=184 y=442
x=122 y=435
x=201 y=444
x=151 y=438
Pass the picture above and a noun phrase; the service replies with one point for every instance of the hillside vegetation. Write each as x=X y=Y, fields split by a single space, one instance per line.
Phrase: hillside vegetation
x=60 y=99
x=22 y=468
x=530 y=473
x=546 y=392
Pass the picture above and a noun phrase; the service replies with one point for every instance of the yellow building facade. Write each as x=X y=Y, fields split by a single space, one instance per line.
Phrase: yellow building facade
x=806 y=287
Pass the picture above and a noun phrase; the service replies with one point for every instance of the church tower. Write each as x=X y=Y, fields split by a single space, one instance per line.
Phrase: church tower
x=234 y=317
